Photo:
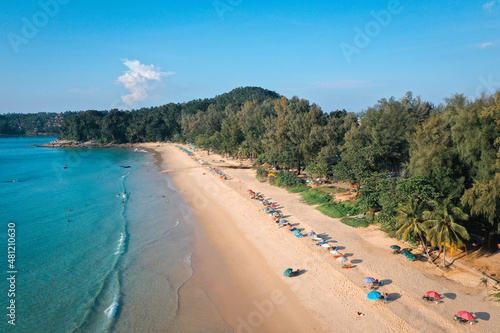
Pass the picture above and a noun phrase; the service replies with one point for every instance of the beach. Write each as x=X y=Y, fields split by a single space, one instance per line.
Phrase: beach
x=240 y=257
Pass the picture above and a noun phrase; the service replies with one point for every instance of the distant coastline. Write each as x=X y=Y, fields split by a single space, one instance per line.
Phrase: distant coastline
x=80 y=144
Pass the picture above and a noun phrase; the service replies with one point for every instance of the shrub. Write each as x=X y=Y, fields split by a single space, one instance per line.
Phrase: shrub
x=261 y=172
x=340 y=209
x=355 y=223
x=285 y=179
x=315 y=197
x=297 y=188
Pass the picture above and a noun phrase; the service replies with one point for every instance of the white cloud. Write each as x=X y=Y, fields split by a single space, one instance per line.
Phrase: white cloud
x=489 y=5
x=485 y=45
x=139 y=80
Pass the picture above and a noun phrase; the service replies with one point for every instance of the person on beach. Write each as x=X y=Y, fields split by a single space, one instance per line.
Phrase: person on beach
x=384 y=298
x=375 y=284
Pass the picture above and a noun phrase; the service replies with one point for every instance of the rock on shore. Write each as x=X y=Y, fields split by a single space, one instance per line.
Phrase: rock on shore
x=80 y=144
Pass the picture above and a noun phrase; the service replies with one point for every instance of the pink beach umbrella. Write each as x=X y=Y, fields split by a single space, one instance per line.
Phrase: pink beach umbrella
x=433 y=294
x=272 y=219
x=466 y=315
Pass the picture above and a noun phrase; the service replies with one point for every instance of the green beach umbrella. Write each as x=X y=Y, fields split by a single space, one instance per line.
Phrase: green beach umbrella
x=288 y=272
x=405 y=253
x=395 y=247
x=411 y=257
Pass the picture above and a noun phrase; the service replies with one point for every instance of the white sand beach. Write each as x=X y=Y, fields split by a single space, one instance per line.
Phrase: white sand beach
x=241 y=255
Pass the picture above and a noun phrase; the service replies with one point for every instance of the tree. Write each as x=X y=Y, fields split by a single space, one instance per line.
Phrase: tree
x=356 y=165
x=484 y=199
x=410 y=222
x=443 y=229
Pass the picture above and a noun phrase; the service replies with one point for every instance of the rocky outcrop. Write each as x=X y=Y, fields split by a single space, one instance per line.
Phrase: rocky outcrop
x=79 y=144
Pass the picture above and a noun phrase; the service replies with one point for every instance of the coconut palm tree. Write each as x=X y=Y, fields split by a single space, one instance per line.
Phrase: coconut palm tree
x=410 y=221
x=443 y=230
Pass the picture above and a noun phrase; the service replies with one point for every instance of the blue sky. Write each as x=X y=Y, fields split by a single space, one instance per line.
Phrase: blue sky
x=59 y=55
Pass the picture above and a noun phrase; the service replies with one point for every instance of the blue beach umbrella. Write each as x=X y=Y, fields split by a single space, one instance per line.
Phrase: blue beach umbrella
x=373 y=295
x=288 y=272
x=310 y=233
x=368 y=280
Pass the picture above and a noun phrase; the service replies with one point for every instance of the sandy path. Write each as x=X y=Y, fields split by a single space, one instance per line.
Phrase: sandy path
x=331 y=295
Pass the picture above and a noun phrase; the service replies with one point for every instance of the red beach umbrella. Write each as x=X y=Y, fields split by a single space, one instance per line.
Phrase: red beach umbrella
x=433 y=294
x=466 y=315
x=272 y=205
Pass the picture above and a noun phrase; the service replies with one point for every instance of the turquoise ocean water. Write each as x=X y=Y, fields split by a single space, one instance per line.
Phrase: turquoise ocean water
x=103 y=242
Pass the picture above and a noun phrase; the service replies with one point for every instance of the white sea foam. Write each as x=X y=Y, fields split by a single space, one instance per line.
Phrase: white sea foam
x=177 y=223
x=120 y=244
x=111 y=311
x=139 y=151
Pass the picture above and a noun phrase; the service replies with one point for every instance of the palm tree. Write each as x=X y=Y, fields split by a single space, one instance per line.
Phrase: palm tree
x=443 y=230
x=410 y=222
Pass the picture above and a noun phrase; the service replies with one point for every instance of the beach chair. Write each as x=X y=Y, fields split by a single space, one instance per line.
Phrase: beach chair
x=347 y=266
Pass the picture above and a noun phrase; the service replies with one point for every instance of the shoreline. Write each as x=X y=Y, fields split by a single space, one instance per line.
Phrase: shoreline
x=226 y=267
x=326 y=293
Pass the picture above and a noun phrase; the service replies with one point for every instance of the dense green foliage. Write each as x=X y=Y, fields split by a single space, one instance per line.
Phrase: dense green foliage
x=32 y=123
x=432 y=152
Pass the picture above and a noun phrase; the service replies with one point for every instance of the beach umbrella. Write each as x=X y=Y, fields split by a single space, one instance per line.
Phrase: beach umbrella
x=395 y=247
x=296 y=231
x=433 y=294
x=335 y=252
x=411 y=257
x=272 y=219
x=405 y=253
x=249 y=190
x=466 y=315
x=288 y=227
x=288 y=272
x=368 y=280
x=265 y=210
x=272 y=205
x=326 y=245
x=283 y=221
x=310 y=233
x=342 y=259
x=293 y=229
x=373 y=295
x=318 y=239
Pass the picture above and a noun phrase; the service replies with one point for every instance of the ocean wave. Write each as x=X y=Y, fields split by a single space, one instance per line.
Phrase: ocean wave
x=139 y=151
x=177 y=223
x=111 y=310
x=120 y=244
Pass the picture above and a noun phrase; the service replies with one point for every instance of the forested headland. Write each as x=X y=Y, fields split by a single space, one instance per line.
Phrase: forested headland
x=446 y=156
